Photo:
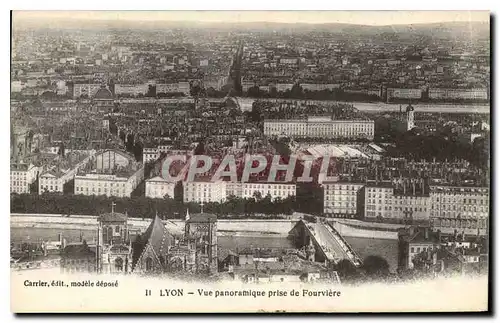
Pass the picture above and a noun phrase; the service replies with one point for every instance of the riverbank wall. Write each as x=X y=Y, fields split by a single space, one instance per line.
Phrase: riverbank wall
x=359 y=231
x=246 y=227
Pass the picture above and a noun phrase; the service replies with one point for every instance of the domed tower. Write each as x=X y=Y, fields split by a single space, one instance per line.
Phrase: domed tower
x=410 y=117
x=103 y=100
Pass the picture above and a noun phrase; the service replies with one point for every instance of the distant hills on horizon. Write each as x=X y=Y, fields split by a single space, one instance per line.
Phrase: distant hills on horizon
x=478 y=28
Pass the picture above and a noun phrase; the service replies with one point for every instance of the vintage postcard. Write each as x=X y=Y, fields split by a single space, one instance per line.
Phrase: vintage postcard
x=248 y=162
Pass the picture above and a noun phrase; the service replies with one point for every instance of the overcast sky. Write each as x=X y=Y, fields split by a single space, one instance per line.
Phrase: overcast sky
x=351 y=17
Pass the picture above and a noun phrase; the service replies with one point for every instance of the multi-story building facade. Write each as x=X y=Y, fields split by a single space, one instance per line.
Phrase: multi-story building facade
x=22 y=176
x=179 y=87
x=273 y=189
x=320 y=127
x=453 y=94
x=406 y=200
x=413 y=241
x=131 y=89
x=85 y=89
x=198 y=191
x=319 y=86
x=204 y=191
x=109 y=185
x=150 y=154
x=55 y=177
x=158 y=188
x=462 y=209
x=342 y=199
x=110 y=173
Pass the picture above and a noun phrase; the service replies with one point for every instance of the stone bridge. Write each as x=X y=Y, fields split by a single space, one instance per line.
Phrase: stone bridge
x=329 y=245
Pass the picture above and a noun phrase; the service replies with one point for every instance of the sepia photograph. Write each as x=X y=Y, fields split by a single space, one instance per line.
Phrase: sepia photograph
x=250 y=161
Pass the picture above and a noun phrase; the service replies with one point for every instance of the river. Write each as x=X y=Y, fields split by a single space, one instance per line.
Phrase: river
x=246 y=105
x=387 y=249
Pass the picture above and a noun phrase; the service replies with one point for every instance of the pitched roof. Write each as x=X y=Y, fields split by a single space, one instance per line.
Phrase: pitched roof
x=157 y=236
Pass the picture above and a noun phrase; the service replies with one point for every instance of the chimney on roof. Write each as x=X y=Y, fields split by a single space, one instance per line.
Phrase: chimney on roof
x=455 y=234
x=404 y=186
x=426 y=233
x=413 y=183
x=412 y=231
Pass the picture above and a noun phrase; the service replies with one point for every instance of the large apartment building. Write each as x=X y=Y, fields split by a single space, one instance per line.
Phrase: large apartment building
x=320 y=127
x=22 y=176
x=405 y=199
x=55 y=176
x=204 y=191
x=119 y=185
x=158 y=188
x=273 y=189
x=465 y=209
x=207 y=191
x=110 y=173
x=342 y=199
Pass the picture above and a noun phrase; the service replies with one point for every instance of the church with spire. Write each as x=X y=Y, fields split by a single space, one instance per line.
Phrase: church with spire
x=158 y=250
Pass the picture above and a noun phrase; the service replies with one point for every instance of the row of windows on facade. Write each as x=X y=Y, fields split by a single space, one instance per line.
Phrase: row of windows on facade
x=340 y=205
x=340 y=210
x=199 y=195
x=481 y=223
x=419 y=249
x=336 y=188
x=19 y=189
x=14 y=174
x=48 y=181
x=261 y=186
x=160 y=190
x=105 y=184
x=340 y=198
x=457 y=200
x=458 y=190
x=265 y=192
x=454 y=207
x=459 y=214
x=321 y=127
x=401 y=202
x=105 y=190
x=423 y=201
x=51 y=188
x=388 y=214
x=326 y=128
x=204 y=189
x=389 y=208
